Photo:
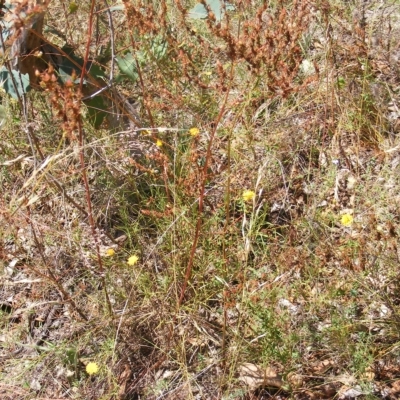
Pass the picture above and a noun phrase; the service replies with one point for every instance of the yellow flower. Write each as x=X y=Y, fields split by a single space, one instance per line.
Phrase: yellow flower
x=92 y=368
x=346 y=220
x=110 y=252
x=145 y=133
x=159 y=143
x=194 y=131
x=132 y=260
x=248 y=195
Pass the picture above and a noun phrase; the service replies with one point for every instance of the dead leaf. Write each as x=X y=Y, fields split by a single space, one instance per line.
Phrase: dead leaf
x=369 y=375
x=196 y=342
x=328 y=391
x=254 y=376
x=346 y=379
x=123 y=381
x=322 y=366
x=395 y=389
x=295 y=380
x=346 y=392
x=325 y=392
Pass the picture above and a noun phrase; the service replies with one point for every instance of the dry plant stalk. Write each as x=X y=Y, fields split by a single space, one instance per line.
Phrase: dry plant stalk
x=267 y=41
x=66 y=100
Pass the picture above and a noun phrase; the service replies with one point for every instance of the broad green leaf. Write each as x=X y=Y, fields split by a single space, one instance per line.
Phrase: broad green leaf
x=75 y=63
x=69 y=65
x=17 y=88
x=96 y=110
x=127 y=65
x=96 y=71
x=159 y=48
x=216 y=6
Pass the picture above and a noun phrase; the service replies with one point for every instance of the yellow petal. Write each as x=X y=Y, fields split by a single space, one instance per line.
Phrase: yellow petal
x=248 y=195
x=92 y=368
x=346 y=220
x=194 y=131
x=132 y=260
x=110 y=252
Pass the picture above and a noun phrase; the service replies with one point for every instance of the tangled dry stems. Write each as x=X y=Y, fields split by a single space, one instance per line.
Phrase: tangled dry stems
x=220 y=277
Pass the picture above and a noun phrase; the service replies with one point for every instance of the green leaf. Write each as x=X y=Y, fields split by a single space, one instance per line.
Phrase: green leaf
x=96 y=110
x=341 y=82
x=21 y=86
x=159 y=47
x=216 y=6
x=96 y=71
x=69 y=64
x=127 y=65
x=127 y=62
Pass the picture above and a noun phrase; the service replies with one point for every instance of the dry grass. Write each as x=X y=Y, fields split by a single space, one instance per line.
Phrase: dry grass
x=230 y=297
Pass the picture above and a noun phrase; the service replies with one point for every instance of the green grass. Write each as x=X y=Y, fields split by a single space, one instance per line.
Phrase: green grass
x=276 y=282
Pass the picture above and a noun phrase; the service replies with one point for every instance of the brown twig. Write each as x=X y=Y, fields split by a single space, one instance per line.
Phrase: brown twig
x=202 y=193
x=83 y=166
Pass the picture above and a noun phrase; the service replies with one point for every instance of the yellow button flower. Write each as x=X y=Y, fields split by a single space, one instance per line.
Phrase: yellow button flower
x=110 y=252
x=248 y=195
x=92 y=368
x=159 y=143
x=194 y=131
x=346 y=220
x=132 y=260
